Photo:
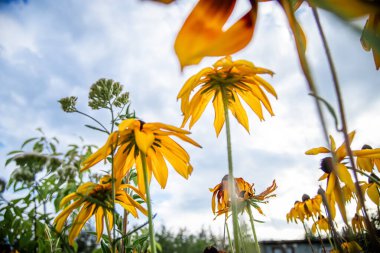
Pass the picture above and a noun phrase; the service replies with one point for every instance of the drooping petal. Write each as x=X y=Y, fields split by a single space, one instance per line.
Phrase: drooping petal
x=373 y=194
x=61 y=218
x=219 y=113
x=341 y=152
x=84 y=214
x=202 y=33
x=159 y=168
x=99 y=214
x=144 y=139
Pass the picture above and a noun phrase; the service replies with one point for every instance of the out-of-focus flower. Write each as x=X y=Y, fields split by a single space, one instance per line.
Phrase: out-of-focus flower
x=304 y=210
x=372 y=189
x=204 y=34
x=358 y=223
x=347 y=9
x=322 y=224
x=237 y=80
x=371 y=36
x=368 y=158
x=351 y=247
x=96 y=199
x=221 y=202
x=135 y=138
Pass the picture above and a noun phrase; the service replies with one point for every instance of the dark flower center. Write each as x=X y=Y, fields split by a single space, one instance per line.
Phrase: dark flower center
x=305 y=197
x=366 y=146
x=327 y=165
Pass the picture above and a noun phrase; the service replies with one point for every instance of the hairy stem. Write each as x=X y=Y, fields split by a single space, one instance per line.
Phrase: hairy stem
x=148 y=202
x=231 y=179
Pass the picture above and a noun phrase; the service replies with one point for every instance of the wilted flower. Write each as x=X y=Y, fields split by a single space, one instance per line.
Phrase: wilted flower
x=96 y=199
x=234 y=79
x=349 y=247
x=221 y=202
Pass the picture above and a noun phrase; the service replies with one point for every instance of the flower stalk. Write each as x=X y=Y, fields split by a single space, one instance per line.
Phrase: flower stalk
x=252 y=221
x=149 y=205
x=231 y=183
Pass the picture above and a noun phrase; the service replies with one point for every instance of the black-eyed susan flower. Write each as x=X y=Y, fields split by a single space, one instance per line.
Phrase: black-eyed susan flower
x=221 y=202
x=305 y=209
x=358 y=223
x=334 y=191
x=235 y=80
x=134 y=138
x=322 y=224
x=371 y=189
x=96 y=200
x=204 y=32
x=368 y=158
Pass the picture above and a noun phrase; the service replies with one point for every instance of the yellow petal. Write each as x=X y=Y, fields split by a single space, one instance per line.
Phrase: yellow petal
x=316 y=151
x=144 y=139
x=239 y=112
x=341 y=152
x=99 y=223
x=219 y=112
x=339 y=198
x=84 y=214
x=345 y=176
x=373 y=194
x=159 y=168
x=61 y=218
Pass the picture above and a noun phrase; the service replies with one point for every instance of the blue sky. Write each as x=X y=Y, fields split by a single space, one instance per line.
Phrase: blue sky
x=54 y=49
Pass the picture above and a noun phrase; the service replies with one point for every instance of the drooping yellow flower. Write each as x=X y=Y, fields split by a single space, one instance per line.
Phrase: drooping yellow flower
x=358 y=223
x=134 y=138
x=371 y=36
x=204 y=34
x=238 y=80
x=96 y=199
x=372 y=189
x=304 y=210
x=366 y=161
x=221 y=201
x=334 y=192
x=322 y=224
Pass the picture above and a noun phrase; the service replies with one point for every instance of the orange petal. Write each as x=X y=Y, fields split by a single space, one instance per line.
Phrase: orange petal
x=202 y=33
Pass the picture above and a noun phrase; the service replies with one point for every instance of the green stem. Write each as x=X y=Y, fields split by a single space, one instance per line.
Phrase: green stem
x=231 y=181
x=108 y=231
x=307 y=236
x=252 y=220
x=319 y=235
x=344 y=127
x=97 y=121
x=229 y=237
x=375 y=180
x=148 y=202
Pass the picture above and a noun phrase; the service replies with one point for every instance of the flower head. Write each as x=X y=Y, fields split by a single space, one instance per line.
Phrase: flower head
x=358 y=223
x=237 y=80
x=321 y=224
x=96 y=199
x=221 y=199
x=135 y=138
x=305 y=209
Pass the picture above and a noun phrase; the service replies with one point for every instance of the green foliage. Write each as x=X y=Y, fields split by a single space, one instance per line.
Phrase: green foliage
x=41 y=176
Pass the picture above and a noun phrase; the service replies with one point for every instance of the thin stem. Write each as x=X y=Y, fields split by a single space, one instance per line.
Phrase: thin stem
x=319 y=235
x=148 y=202
x=125 y=218
x=231 y=179
x=100 y=124
x=375 y=180
x=307 y=237
x=229 y=237
x=108 y=231
x=252 y=220
x=344 y=126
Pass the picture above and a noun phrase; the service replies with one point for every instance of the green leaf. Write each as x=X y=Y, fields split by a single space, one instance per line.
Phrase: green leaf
x=329 y=108
x=27 y=141
x=95 y=128
x=104 y=247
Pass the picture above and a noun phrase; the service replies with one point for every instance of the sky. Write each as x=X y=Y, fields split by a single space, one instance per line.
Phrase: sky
x=55 y=49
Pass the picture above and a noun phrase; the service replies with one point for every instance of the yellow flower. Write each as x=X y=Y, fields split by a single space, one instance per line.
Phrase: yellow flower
x=96 y=199
x=322 y=224
x=135 y=137
x=238 y=80
x=245 y=194
x=204 y=34
x=367 y=162
x=334 y=192
x=351 y=247
x=372 y=189
x=358 y=223
x=304 y=210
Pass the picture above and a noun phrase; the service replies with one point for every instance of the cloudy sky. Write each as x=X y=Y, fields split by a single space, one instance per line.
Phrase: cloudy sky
x=54 y=49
